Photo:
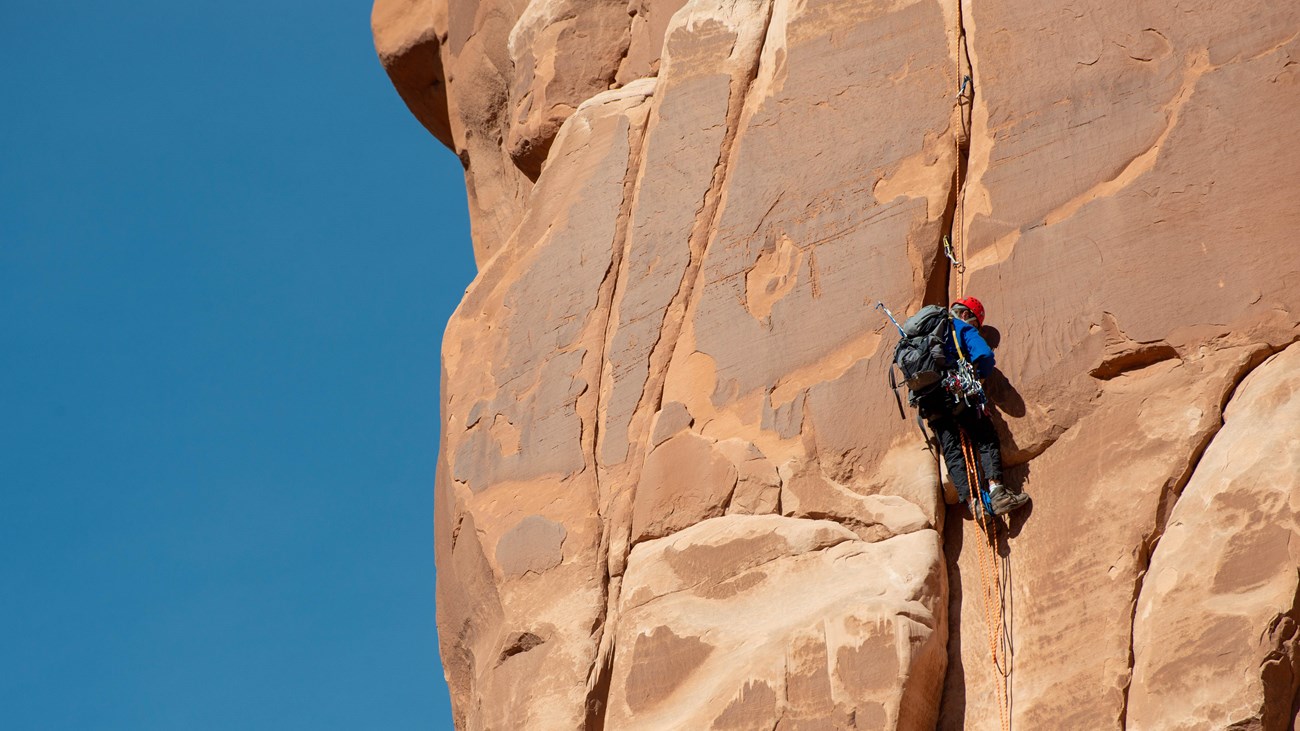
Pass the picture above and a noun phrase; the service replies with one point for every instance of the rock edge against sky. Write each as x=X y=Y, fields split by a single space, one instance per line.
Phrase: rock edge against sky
x=673 y=489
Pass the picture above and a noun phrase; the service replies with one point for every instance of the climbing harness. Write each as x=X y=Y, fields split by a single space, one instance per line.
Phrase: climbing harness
x=963 y=383
x=993 y=570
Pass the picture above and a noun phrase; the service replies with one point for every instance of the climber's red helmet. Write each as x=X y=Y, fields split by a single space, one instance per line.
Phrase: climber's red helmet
x=975 y=307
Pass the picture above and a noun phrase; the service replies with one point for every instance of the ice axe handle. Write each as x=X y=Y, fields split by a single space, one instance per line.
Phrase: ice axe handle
x=890 y=315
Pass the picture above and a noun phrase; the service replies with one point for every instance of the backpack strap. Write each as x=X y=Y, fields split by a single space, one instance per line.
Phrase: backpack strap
x=925 y=435
x=893 y=386
x=956 y=341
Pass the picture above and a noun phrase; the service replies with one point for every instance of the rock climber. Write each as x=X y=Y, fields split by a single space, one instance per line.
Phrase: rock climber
x=948 y=417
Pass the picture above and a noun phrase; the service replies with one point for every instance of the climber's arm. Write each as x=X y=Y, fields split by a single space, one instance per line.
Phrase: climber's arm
x=979 y=352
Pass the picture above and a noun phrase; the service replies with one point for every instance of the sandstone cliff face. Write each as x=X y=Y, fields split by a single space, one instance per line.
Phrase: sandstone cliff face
x=673 y=489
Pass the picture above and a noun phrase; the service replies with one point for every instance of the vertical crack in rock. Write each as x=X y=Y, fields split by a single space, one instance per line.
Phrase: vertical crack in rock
x=939 y=287
x=702 y=231
x=938 y=282
x=1169 y=495
x=705 y=221
x=598 y=676
x=704 y=226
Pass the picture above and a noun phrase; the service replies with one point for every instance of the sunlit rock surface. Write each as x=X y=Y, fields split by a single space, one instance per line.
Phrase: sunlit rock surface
x=674 y=490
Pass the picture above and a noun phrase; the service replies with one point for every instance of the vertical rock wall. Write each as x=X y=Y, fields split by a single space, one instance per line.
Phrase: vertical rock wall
x=673 y=489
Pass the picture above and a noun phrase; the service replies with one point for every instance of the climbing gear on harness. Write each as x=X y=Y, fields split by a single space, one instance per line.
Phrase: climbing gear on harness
x=919 y=356
x=963 y=383
x=975 y=306
x=994 y=571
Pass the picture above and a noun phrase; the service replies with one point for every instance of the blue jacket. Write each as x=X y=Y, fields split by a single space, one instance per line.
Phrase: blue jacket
x=973 y=346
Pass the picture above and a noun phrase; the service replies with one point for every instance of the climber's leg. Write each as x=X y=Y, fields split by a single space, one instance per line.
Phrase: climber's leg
x=984 y=439
x=946 y=431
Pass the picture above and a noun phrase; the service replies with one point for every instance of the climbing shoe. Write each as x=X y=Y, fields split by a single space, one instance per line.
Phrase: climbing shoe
x=1004 y=501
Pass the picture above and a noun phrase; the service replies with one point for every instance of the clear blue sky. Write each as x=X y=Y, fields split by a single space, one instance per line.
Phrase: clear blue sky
x=227 y=256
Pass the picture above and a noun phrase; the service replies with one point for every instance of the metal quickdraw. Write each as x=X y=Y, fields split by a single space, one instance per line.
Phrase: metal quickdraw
x=947 y=250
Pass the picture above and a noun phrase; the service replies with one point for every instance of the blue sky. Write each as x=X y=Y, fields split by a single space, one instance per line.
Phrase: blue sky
x=227 y=256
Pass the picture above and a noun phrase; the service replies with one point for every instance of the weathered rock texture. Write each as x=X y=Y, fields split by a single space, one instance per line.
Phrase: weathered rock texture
x=673 y=491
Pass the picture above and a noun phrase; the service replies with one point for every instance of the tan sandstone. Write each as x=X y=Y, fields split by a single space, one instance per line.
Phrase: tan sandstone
x=674 y=490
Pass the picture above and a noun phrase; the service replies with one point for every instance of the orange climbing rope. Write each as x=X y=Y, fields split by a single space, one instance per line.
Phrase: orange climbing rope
x=965 y=96
x=991 y=585
x=956 y=235
x=952 y=244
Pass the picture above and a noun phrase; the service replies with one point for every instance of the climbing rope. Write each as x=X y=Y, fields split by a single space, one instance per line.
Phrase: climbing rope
x=954 y=248
x=965 y=386
x=992 y=593
x=965 y=95
x=992 y=585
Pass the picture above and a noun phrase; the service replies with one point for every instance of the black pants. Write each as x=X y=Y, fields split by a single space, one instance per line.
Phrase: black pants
x=979 y=429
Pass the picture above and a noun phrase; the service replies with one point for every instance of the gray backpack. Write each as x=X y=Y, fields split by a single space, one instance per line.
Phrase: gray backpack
x=919 y=354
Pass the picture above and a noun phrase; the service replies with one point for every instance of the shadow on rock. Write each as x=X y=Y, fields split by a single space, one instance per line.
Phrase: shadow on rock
x=952 y=708
x=1003 y=395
